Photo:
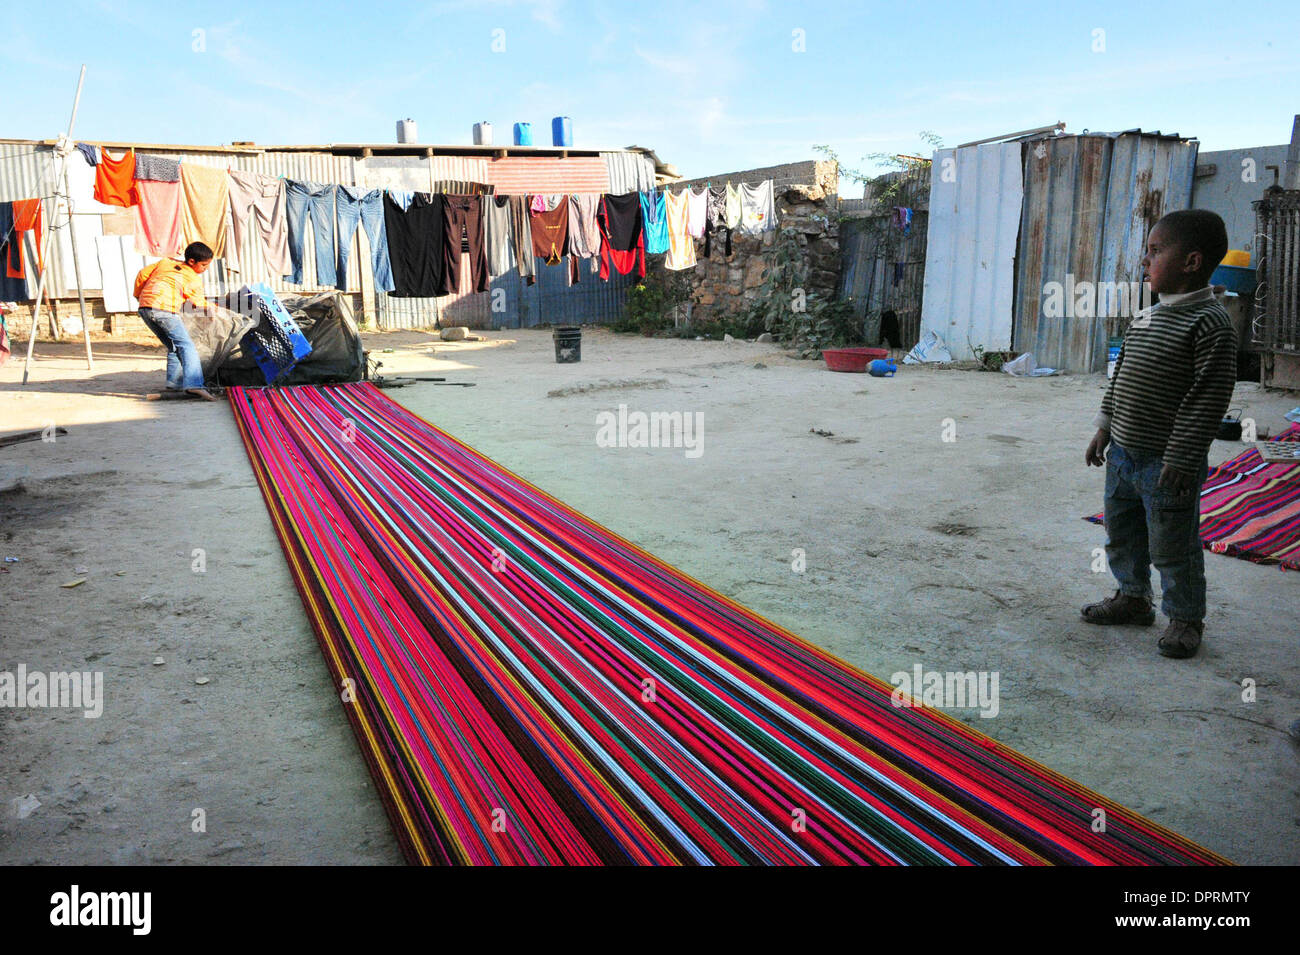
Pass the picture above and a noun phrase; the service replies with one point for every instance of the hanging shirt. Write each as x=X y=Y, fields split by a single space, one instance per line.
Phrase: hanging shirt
x=681 y=247
x=26 y=215
x=584 y=234
x=757 y=208
x=655 y=216
x=115 y=179
x=500 y=245
x=551 y=233
x=415 y=241
x=733 y=207
x=697 y=208
x=166 y=285
x=622 y=234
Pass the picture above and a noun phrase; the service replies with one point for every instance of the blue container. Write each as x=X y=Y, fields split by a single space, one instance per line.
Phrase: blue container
x=1239 y=280
x=882 y=368
x=562 y=131
x=523 y=134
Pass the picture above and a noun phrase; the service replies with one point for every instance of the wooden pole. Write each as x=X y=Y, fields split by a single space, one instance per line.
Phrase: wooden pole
x=49 y=233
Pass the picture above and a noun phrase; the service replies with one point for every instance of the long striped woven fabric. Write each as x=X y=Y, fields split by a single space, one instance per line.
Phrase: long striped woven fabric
x=1251 y=510
x=529 y=688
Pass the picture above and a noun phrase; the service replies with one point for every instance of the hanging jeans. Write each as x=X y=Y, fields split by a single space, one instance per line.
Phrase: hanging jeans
x=184 y=367
x=319 y=199
x=463 y=216
x=353 y=205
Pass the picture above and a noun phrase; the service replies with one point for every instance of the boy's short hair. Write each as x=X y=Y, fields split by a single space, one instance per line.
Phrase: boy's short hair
x=1198 y=230
x=197 y=252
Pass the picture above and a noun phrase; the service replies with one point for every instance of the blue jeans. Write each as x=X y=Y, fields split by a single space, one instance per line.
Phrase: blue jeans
x=351 y=205
x=1146 y=525
x=184 y=368
x=299 y=198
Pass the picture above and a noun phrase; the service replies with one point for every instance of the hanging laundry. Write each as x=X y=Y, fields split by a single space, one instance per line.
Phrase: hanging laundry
x=13 y=288
x=903 y=219
x=462 y=217
x=115 y=179
x=300 y=199
x=717 y=222
x=157 y=168
x=757 y=208
x=355 y=205
x=81 y=177
x=550 y=232
x=521 y=231
x=205 y=206
x=25 y=215
x=733 y=207
x=259 y=200
x=158 y=226
x=584 y=234
x=697 y=207
x=681 y=247
x=402 y=197
x=547 y=203
x=90 y=152
x=622 y=234
x=656 y=222
x=500 y=248
x=415 y=245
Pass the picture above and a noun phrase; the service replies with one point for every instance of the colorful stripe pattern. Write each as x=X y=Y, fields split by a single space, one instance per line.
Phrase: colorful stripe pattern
x=529 y=688
x=1251 y=510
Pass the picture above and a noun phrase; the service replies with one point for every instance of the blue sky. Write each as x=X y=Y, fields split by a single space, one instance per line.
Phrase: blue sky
x=711 y=87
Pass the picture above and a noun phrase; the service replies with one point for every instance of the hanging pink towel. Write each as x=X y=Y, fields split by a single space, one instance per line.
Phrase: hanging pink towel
x=158 y=219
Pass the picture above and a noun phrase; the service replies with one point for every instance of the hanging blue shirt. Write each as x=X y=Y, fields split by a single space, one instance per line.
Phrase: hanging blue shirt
x=654 y=214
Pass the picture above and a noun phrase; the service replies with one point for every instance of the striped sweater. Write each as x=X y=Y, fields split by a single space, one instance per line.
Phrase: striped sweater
x=1173 y=380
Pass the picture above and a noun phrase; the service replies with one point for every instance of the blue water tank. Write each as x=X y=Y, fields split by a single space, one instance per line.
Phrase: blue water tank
x=523 y=134
x=562 y=131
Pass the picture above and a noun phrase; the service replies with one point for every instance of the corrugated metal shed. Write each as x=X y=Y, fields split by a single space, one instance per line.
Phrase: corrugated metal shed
x=975 y=199
x=629 y=172
x=1089 y=202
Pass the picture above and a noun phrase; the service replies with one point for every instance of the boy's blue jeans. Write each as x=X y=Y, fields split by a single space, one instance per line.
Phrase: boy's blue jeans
x=184 y=367
x=1146 y=525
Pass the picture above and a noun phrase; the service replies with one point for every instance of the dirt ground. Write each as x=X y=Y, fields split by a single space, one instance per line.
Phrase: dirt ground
x=962 y=555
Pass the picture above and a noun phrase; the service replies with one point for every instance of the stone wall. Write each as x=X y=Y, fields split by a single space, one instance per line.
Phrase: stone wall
x=807 y=204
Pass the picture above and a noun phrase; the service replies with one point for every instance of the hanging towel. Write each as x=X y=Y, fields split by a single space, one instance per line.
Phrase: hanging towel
x=757 y=208
x=157 y=168
x=656 y=222
x=119 y=264
x=259 y=200
x=584 y=234
x=415 y=243
x=205 y=206
x=697 y=206
x=521 y=230
x=732 y=219
x=622 y=234
x=500 y=248
x=90 y=152
x=681 y=247
x=115 y=179
x=158 y=229
x=550 y=232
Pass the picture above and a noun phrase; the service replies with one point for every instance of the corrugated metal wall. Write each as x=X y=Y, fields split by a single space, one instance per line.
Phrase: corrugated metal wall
x=1089 y=202
x=975 y=200
x=629 y=172
x=1277 y=298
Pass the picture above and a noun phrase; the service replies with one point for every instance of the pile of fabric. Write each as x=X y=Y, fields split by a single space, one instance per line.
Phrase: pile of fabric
x=529 y=688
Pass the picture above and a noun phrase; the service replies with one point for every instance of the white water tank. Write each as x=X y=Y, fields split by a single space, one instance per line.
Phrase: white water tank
x=406 y=131
x=483 y=134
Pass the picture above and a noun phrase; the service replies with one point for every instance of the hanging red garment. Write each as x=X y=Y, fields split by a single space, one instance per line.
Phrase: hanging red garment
x=115 y=179
x=29 y=214
x=622 y=237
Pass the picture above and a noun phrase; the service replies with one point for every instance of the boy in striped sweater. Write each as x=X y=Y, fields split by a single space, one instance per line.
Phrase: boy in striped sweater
x=1173 y=382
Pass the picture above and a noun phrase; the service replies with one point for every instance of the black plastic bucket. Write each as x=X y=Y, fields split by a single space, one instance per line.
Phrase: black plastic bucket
x=568 y=343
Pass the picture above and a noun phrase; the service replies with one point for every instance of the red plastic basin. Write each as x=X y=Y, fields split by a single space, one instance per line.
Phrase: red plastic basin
x=852 y=359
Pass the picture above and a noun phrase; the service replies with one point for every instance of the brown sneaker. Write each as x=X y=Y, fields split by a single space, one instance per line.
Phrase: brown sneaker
x=1181 y=639
x=1120 y=609
x=201 y=393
